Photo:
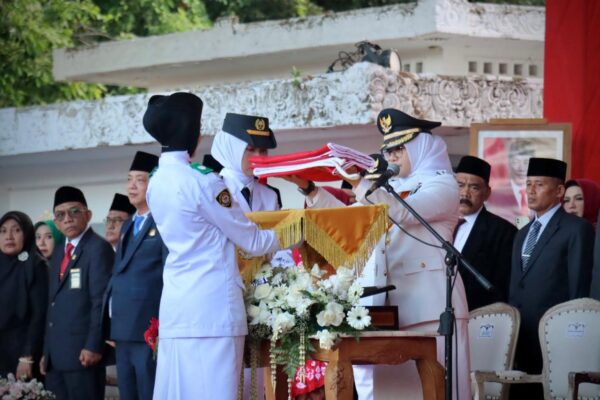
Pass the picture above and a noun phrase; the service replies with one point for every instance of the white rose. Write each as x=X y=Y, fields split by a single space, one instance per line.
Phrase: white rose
x=326 y=339
x=262 y=291
x=333 y=314
x=359 y=318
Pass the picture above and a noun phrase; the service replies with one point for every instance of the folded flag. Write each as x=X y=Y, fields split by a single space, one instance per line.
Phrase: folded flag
x=326 y=163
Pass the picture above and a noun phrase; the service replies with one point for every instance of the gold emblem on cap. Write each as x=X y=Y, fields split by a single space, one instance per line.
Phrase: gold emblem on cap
x=152 y=232
x=260 y=124
x=385 y=123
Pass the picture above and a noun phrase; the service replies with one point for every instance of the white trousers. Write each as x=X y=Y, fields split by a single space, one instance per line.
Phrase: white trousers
x=403 y=382
x=199 y=368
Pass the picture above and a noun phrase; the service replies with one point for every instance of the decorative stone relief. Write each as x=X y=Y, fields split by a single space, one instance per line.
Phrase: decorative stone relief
x=352 y=97
x=484 y=20
x=456 y=101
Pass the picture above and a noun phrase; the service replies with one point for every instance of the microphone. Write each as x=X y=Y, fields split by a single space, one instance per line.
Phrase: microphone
x=390 y=170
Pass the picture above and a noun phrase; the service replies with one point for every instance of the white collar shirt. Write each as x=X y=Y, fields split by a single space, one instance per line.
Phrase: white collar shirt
x=543 y=220
x=75 y=241
x=465 y=229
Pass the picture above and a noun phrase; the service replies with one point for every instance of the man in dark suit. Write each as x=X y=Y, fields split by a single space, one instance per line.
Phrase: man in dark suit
x=79 y=272
x=134 y=291
x=482 y=237
x=551 y=263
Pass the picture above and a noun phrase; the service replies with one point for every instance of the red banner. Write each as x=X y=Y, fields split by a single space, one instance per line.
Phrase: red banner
x=572 y=78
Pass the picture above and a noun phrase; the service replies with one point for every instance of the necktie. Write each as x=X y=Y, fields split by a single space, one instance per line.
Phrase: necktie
x=248 y=196
x=460 y=222
x=530 y=244
x=137 y=224
x=65 y=261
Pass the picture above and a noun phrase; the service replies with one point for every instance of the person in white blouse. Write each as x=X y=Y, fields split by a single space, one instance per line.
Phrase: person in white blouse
x=417 y=269
x=202 y=315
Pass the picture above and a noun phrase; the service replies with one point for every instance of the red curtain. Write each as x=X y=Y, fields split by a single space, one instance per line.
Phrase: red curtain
x=572 y=78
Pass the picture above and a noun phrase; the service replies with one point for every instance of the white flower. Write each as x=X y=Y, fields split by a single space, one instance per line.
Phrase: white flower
x=317 y=272
x=354 y=292
x=343 y=278
x=326 y=339
x=333 y=314
x=252 y=311
x=23 y=256
x=277 y=297
x=358 y=318
x=283 y=323
x=262 y=291
x=278 y=278
x=266 y=271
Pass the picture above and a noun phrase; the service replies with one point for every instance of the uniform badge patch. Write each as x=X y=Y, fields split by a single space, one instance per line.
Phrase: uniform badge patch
x=224 y=198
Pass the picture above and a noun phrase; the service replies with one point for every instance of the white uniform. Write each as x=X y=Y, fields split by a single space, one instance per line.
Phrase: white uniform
x=202 y=315
x=418 y=272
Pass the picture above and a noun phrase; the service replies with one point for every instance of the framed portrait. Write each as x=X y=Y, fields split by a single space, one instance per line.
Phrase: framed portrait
x=508 y=145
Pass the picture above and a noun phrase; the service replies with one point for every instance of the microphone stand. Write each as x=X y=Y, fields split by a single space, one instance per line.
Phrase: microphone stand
x=447 y=317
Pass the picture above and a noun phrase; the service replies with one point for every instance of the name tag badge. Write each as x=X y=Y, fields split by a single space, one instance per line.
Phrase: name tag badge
x=75 y=278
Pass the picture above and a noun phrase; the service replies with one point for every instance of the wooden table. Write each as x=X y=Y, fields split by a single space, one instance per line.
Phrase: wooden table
x=384 y=347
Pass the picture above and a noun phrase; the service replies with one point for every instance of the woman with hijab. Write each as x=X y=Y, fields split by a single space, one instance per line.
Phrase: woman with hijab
x=232 y=148
x=417 y=269
x=47 y=237
x=23 y=297
x=242 y=137
x=582 y=198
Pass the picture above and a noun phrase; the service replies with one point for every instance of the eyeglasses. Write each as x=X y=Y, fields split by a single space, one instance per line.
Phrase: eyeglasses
x=115 y=220
x=73 y=212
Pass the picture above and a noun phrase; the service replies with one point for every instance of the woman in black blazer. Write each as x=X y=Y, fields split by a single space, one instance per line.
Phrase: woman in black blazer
x=23 y=297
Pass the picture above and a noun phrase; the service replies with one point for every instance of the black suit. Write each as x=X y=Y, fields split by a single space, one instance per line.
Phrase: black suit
x=559 y=270
x=488 y=248
x=74 y=319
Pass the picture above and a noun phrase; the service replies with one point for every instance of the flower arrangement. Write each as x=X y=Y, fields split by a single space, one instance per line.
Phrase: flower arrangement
x=151 y=336
x=13 y=389
x=289 y=306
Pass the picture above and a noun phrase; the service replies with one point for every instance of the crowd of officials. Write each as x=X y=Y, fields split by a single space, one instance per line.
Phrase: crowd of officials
x=74 y=302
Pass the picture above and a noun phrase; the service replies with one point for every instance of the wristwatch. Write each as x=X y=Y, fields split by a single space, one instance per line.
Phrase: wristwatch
x=308 y=190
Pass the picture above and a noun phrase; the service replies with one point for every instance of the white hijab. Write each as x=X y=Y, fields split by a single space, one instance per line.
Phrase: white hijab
x=428 y=156
x=228 y=150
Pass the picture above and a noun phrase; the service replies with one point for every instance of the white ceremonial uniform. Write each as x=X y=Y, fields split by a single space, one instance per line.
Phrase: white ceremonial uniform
x=229 y=151
x=202 y=314
x=418 y=272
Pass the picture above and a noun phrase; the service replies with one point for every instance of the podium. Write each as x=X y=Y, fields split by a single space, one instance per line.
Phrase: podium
x=373 y=348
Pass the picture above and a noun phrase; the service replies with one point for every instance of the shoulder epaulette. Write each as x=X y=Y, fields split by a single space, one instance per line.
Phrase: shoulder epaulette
x=201 y=168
